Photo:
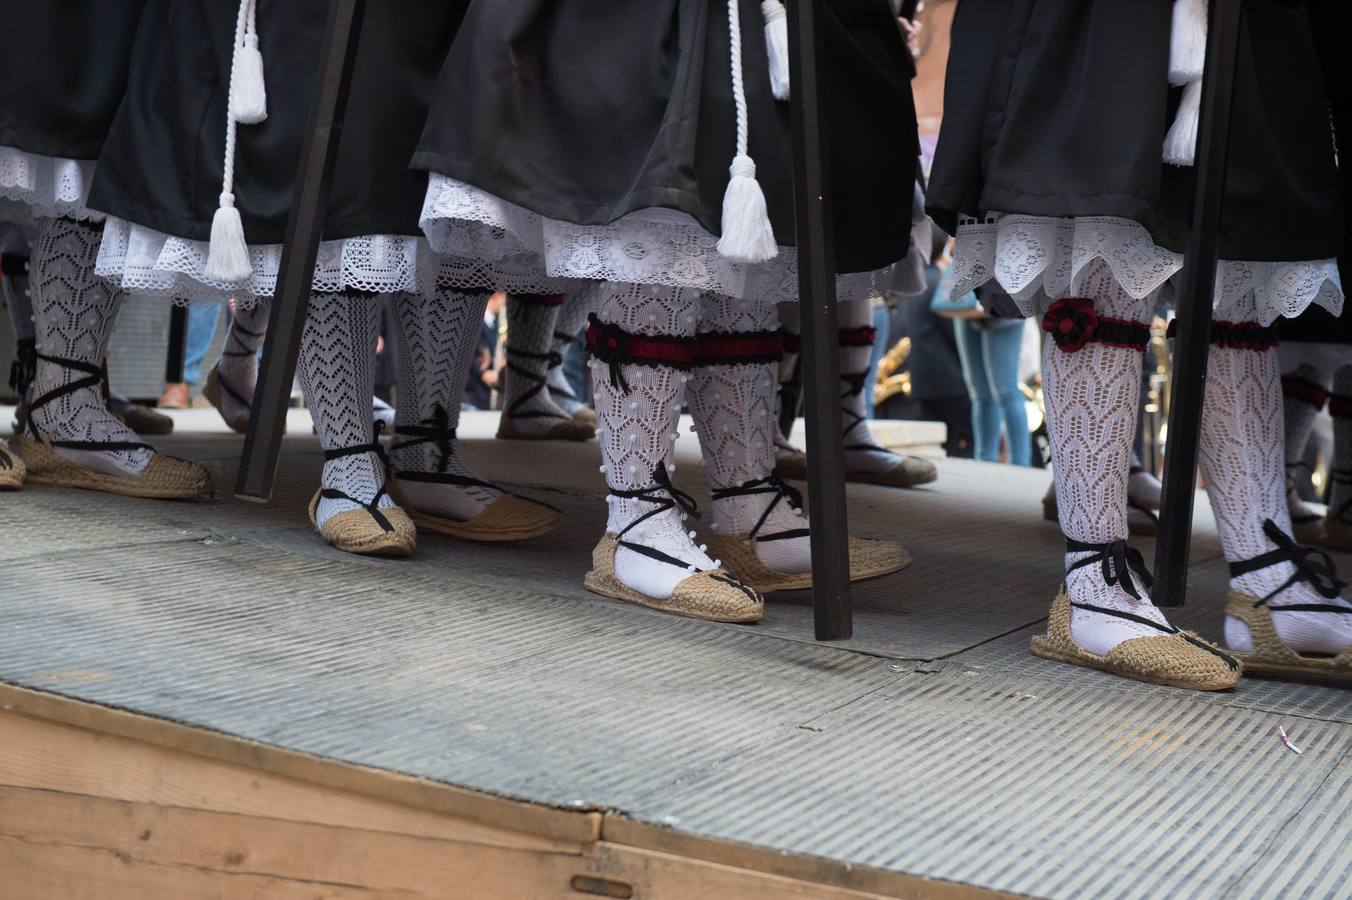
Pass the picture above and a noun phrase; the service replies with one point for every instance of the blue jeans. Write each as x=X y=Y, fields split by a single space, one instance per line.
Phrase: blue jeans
x=989 y=351
x=202 y=319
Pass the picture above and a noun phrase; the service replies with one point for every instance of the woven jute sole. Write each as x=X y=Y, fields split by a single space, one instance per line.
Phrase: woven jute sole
x=212 y=391
x=715 y=596
x=586 y=417
x=357 y=531
x=506 y=519
x=163 y=478
x=565 y=430
x=868 y=559
x=911 y=471
x=1270 y=657
x=12 y=469
x=1168 y=659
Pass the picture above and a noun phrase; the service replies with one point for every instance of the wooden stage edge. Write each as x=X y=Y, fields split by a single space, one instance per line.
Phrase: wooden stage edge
x=104 y=803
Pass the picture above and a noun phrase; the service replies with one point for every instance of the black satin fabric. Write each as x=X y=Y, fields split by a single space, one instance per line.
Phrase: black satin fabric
x=63 y=67
x=1060 y=108
x=585 y=110
x=161 y=166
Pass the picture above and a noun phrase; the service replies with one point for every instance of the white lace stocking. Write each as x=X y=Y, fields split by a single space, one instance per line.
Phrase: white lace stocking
x=567 y=329
x=790 y=323
x=1242 y=461
x=854 y=362
x=238 y=365
x=530 y=335
x=734 y=411
x=1298 y=417
x=437 y=338
x=637 y=432
x=73 y=316
x=1092 y=397
x=337 y=373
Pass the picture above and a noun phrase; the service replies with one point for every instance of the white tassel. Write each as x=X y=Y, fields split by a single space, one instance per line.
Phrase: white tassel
x=1187 y=42
x=748 y=236
x=1180 y=144
x=228 y=253
x=248 y=95
x=777 y=46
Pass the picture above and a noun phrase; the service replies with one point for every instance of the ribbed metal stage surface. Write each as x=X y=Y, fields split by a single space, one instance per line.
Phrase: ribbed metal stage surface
x=932 y=743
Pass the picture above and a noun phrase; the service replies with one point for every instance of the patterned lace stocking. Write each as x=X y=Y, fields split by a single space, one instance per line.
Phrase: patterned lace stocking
x=1340 y=409
x=337 y=373
x=74 y=312
x=1301 y=383
x=734 y=411
x=1092 y=398
x=572 y=319
x=637 y=431
x=854 y=360
x=530 y=335
x=437 y=338
x=238 y=366
x=1242 y=462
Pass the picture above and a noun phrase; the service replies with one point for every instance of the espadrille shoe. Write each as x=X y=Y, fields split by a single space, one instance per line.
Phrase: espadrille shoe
x=585 y=417
x=369 y=531
x=507 y=518
x=213 y=389
x=164 y=477
x=141 y=419
x=712 y=594
x=783 y=505
x=570 y=429
x=1336 y=534
x=1174 y=658
x=1268 y=654
x=906 y=471
x=12 y=469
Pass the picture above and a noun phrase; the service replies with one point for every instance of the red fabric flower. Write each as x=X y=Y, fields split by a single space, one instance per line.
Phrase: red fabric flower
x=1071 y=322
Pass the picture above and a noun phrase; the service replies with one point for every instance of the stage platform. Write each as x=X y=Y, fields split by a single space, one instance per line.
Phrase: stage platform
x=202 y=700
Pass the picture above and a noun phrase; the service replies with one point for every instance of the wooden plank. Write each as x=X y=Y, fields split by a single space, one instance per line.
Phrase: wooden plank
x=618 y=830
x=498 y=812
x=43 y=755
x=56 y=845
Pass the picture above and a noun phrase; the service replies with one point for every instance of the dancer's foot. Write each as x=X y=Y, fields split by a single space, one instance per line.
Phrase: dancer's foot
x=653 y=561
x=442 y=494
x=1103 y=619
x=140 y=419
x=176 y=395
x=765 y=541
x=353 y=509
x=12 y=468
x=1284 y=615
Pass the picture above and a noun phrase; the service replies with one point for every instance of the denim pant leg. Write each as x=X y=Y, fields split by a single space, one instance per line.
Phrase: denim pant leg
x=202 y=320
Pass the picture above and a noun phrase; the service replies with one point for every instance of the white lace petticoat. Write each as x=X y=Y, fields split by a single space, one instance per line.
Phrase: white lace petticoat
x=144 y=261
x=1038 y=259
x=33 y=186
x=652 y=246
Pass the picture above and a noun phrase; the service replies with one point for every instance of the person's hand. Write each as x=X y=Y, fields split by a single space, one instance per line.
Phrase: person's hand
x=489 y=377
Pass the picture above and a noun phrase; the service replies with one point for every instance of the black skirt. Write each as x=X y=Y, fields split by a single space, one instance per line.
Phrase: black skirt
x=162 y=164
x=585 y=110
x=1060 y=108
x=63 y=68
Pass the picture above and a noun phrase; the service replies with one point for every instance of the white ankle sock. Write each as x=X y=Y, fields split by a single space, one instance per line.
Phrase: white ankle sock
x=337 y=373
x=637 y=431
x=437 y=337
x=733 y=408
x=1242 y=461
x=73 y=315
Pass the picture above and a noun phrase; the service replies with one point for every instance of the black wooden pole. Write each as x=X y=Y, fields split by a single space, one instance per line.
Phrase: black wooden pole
x=820 y=360
x=1196 y=290
x=178 y=341
x=272 y=398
